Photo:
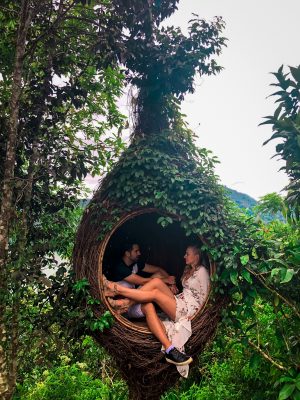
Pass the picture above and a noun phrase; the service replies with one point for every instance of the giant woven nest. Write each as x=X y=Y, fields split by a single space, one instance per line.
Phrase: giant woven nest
x=115 y=214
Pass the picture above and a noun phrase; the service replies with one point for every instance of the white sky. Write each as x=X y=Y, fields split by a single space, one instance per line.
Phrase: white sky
x=226 y=109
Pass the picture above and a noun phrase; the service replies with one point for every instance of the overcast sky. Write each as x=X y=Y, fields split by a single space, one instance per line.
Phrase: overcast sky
x=226 y=109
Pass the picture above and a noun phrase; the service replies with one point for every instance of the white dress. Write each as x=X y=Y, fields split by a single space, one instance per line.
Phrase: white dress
x=188 y=302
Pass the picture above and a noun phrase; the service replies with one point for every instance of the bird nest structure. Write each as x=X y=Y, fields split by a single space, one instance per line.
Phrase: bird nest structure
x=162 y=193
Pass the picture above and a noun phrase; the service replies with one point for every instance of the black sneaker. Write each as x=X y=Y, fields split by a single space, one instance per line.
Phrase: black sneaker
x=176 y=357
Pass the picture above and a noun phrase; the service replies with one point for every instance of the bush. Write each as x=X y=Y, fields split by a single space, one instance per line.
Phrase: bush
x=71 y=382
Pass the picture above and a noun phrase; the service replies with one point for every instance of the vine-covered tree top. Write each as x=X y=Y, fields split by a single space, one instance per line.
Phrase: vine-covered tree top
x=164 y=65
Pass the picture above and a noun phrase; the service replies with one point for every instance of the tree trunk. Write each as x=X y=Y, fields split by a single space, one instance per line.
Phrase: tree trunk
x=13 y=362
x=8 y=176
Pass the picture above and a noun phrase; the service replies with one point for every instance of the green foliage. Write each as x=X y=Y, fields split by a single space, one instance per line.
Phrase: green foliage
x=228 y=370
x=286 y=127
x=291 y=386
x=72 y=382
x=233 y=369
x=163 y=66
x=267 y=317
x=274 y=205
x=67 y=125
x=51 y=324
x=68 y=106
x=253 y=260
x=175 y=57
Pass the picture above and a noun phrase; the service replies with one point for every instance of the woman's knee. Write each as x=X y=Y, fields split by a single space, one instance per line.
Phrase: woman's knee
x=157 y=282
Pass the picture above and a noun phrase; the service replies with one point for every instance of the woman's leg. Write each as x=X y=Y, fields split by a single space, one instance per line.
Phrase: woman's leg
x=123 y=304
x=157 y=283
x=155 y=325
x=147 y=294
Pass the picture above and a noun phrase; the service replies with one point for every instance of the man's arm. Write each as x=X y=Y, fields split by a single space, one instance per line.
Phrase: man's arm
x=153 y=269
x=136 y=279
x=158 y=272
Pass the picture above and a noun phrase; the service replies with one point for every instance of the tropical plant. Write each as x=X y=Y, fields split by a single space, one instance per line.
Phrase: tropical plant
x=286 y=127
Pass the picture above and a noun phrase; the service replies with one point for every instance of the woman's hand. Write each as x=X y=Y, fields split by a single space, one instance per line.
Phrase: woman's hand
x=174 y=289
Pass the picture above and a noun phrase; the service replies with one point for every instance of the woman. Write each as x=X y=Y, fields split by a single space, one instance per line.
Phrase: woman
x=179 y=308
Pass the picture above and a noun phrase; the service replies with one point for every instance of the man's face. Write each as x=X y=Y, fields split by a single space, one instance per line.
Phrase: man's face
x=134 y=253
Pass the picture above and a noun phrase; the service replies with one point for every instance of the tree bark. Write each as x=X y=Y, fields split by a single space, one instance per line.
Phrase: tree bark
x=8 y=177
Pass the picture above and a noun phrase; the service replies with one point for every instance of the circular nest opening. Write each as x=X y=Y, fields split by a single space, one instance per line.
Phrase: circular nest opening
x=161 y=246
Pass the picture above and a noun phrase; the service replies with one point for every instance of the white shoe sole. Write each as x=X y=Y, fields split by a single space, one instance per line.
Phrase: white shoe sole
x=188 y=361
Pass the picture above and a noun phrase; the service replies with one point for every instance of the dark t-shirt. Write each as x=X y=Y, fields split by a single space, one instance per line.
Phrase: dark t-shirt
x=121 y=271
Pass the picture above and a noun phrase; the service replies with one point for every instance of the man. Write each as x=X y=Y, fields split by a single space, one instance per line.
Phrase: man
x=131 y=272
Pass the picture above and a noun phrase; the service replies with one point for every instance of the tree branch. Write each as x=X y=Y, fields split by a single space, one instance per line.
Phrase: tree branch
x=267 y=357
x=262 y=281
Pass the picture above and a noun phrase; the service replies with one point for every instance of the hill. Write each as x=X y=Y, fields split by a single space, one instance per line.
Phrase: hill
x=243 y=200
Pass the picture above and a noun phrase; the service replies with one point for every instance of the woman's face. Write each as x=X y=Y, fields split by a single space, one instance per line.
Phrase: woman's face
x=191 y=258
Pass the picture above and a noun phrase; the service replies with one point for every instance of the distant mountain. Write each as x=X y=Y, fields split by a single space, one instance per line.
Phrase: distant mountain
x=243 y=200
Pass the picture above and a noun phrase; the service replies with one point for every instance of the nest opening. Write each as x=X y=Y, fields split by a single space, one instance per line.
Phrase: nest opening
x=161 y=246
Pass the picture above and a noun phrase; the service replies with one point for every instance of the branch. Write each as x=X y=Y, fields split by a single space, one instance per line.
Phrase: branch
x=267 y=357
x=262 y=281
x=9 y=10
x=60 y=18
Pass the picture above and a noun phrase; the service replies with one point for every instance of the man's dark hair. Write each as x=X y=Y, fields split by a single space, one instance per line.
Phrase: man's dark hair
x=127 y=246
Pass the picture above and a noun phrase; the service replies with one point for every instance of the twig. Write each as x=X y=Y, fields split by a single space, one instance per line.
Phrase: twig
x=267 y=357
x=262 y=281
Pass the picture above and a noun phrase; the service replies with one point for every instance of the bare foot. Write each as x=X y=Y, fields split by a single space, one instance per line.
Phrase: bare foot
x=120 y=305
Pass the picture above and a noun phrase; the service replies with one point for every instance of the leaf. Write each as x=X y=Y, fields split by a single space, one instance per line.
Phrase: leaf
x=254 y=253
x=286 y=391
x=244 y=259
x=285 y=379
x=254 y=361
x=288 y=275
x=296 y=394
x=295 y=73
x=275 y=271
x=276 y=300
x=233 y=277
x=246 y=275
x=252 y=292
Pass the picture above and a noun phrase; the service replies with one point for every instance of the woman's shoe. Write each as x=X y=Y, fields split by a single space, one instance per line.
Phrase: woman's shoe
x=177 y=357
x=110 y=288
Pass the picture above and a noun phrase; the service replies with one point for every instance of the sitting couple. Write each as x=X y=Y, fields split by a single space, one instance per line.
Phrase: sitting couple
x=160 y=288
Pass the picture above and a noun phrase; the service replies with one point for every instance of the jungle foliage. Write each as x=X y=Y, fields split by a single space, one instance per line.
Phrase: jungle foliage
x=60 y=80
x=255 y=353
x=286 y=126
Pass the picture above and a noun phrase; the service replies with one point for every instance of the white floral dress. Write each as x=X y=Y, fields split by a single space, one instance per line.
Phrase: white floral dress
x=188 y=302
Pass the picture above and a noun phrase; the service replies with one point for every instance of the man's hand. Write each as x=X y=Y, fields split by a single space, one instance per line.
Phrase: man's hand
x=169 y=280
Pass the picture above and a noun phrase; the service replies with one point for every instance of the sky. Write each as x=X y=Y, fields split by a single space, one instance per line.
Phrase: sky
x=225 y=111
